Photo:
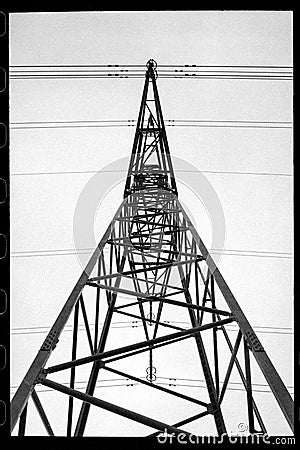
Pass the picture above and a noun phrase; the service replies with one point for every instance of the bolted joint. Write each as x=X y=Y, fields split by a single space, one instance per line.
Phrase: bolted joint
x=253 y=342
x=50 y=341
x=100 y=364
x=210 y=408
x=42 y=375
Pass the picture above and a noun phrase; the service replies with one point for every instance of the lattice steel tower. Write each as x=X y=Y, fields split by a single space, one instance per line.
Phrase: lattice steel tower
x=150 y=266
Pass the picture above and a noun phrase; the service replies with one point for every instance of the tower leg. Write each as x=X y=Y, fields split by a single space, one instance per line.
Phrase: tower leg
x=219 y=421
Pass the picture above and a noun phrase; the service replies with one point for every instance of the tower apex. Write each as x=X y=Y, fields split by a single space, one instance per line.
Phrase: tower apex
x=151 y=64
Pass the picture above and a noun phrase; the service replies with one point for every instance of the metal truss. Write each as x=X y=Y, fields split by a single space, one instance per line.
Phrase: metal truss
x=149 y=259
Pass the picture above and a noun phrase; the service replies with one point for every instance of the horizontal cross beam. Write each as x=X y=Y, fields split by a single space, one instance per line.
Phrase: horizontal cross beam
x=139 y=345
x=113 y=408
x=156 y=386
x=159 y=266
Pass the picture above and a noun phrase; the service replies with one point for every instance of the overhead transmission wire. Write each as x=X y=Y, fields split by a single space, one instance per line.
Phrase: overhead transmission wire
x=168 y=381
x=224 y=172
x=168 y=122
x=138 y=71
x=172 y=381
x=242 y=74
x=138 y=323
x=160 y=65
x=132 y=383
x=162 y=68
x=123 y=324
x=142 y=66
x=83 y=251
x=184 y=76
x=106 y=69
x=279 y=75
x=278 y=124
x=132 y=122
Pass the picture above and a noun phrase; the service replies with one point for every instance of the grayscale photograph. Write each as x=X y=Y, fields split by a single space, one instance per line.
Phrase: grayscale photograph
x=151 y=225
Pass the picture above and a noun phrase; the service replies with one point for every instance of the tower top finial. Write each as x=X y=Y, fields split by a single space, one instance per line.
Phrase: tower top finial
x=151 y=64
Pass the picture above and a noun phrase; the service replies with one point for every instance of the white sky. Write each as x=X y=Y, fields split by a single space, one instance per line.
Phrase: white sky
x=257 y=208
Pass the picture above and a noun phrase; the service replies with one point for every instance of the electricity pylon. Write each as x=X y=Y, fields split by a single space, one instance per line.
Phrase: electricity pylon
x=149 y=264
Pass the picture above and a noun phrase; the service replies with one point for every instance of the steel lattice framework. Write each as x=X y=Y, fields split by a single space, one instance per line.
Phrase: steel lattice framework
x=149 y=259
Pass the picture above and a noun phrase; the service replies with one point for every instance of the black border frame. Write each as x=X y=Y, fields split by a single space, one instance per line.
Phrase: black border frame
x=88 y=442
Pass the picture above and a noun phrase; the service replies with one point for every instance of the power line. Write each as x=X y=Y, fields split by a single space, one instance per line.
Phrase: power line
x=230 y=121
x=166 y=120
x=80 y=126
x=77 y=121
x=232 y=72
x=170 y=122
x=82 y=251
x=99 y=384
x=134 y=323
x=221 y=172
x=45 y=329
x=47 y=73
x=230 y=126
x=273 y=70
x=185 y=76
x=129 y=125
x=262 y=78
x=78 y=65
x=230 y=388
x=160 y=384
x=85 y=381
x=51 y=72
x=91 y=249
x=160 y=65
x=239 y=73
x=163 y=73
x=229 y=66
